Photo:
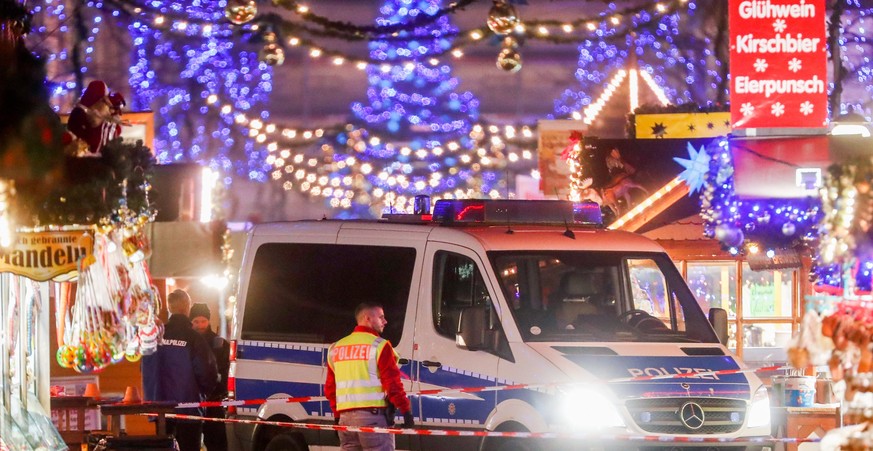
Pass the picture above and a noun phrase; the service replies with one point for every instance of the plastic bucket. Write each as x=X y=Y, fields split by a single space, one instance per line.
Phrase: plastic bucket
x=799 y=391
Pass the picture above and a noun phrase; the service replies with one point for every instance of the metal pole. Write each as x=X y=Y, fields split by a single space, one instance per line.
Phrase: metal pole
x=222 y=309
x=5 y=383
x=20 y=293
x=42 y=345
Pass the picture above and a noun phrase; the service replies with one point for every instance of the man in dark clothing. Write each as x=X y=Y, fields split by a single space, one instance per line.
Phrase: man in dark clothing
x=214 y=434
x=183 y=369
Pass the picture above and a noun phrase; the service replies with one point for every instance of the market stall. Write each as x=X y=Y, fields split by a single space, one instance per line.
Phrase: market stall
x=73 y=204
x=97 y=280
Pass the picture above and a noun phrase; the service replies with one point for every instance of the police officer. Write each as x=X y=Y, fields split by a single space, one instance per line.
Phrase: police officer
x=214 y=434
x=362 y=379
x=182 y=369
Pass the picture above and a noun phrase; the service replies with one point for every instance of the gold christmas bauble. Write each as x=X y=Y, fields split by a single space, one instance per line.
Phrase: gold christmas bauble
x=239 y=12
x=509 y=60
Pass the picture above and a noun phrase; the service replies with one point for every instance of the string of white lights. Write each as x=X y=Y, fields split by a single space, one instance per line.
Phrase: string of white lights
x=311 y=175
x=590 y=113
x=560 y=32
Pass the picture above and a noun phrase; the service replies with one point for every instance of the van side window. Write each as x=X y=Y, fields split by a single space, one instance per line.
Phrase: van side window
x=457 y=284
x=307 y=293
x=649 y=291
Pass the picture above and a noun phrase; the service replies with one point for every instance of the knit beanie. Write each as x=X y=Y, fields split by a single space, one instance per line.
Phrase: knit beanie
x=199 y=309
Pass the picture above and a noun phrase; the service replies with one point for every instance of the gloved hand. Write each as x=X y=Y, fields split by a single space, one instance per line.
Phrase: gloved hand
x=408 y=420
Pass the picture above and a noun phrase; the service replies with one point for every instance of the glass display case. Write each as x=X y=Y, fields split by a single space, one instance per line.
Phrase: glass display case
x=25 y=422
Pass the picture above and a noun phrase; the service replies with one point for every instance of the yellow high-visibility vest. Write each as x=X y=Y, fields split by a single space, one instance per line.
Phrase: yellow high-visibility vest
x=354 y=361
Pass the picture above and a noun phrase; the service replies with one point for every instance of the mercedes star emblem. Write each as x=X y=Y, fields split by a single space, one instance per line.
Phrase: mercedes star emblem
x=691 y=415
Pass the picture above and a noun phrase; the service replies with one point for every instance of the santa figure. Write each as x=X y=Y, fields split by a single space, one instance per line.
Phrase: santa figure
x=96 y=118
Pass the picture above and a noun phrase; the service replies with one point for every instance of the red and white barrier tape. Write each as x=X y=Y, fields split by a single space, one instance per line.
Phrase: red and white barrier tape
x=484 y=433
x=248 y=402
x=437 y=391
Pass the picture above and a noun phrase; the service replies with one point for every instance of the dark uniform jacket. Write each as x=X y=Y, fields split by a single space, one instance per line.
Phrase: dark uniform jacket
x=221 y=350
x=183 y=369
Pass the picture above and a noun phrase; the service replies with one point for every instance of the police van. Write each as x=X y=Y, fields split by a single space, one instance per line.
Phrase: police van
x=491 y=293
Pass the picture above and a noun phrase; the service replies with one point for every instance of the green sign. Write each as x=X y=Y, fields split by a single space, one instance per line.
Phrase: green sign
x=762 y=300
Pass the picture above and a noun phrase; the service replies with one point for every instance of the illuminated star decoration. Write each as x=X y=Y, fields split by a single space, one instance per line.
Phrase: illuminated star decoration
x=696 y=168
x=659 y=130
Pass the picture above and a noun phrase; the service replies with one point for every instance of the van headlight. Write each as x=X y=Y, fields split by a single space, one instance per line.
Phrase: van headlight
x=759 y=410
x=589 y=409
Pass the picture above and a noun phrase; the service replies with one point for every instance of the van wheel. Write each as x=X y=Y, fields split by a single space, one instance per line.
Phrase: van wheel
x=286 y=442
x=509 y=444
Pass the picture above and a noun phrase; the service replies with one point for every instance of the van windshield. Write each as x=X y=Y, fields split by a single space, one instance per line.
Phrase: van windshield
x=570 y=296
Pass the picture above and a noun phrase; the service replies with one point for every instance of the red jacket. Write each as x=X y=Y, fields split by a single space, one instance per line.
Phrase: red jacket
x=389 y=374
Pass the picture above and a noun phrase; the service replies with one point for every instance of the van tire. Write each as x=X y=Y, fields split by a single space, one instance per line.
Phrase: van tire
x=286 y=442
x=509 y=444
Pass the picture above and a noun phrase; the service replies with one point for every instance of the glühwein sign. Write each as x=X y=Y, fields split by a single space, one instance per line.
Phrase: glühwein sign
x=778 y=64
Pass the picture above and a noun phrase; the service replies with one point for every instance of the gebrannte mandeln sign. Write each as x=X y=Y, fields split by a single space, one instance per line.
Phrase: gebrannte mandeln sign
x=46 y=255
x=778 y=64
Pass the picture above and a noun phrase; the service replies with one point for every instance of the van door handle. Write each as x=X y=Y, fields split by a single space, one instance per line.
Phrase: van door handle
x=430 y=364
x=403 y=361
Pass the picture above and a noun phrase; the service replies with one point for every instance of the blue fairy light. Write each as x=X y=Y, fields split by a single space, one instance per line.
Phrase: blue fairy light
x=205 y=57
x=769 y=223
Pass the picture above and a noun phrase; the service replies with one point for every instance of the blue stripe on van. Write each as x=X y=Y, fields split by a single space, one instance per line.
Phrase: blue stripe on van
x=263 y=389
x=272 y=352
x=453 y=406
x=615 y=367
x=260 y=388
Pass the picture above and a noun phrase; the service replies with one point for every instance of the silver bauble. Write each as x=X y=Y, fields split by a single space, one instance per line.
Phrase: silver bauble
x=509 y=60
x=729 y=235
x=502 y=18
x=788 y=229
x=239 y=12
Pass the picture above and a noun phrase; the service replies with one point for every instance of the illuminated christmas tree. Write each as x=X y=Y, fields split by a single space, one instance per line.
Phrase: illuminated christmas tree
x=678 y=54
x=65 y=34
x=191 y=72
x=413 y=136
x=187 y=67
x=851 y=48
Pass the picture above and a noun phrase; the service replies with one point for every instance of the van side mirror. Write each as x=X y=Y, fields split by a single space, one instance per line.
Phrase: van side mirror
x=718 y=317
x=472 y=330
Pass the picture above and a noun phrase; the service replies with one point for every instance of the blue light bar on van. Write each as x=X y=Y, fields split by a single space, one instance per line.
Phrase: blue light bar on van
x=485 y=211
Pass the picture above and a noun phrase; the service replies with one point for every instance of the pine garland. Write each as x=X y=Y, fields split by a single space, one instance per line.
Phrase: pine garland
x=110 y=189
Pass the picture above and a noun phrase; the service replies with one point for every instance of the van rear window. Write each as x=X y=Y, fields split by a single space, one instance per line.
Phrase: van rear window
x=308 y=292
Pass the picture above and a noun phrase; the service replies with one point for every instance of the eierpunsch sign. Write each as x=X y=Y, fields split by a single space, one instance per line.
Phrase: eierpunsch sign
x=778 y=64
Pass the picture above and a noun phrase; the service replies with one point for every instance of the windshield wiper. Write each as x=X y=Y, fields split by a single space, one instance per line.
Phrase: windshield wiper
x=669 y=337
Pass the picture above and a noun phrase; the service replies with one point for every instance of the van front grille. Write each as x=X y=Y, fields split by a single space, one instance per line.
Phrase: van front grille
x=663 y=415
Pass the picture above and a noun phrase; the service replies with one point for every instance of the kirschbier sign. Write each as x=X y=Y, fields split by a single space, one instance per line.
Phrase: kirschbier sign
x=45 y=255
x=778 y=64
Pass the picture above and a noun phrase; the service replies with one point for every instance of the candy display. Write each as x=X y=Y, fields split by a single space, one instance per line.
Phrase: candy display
x=114 y=314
